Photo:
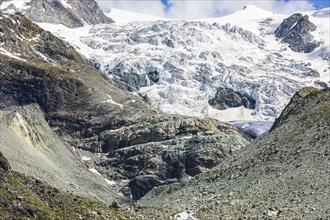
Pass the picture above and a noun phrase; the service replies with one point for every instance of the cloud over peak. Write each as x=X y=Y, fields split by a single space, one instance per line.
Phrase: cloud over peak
x=192 y=9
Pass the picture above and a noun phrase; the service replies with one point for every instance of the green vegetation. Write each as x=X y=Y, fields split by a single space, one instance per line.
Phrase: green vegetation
x=25 y=197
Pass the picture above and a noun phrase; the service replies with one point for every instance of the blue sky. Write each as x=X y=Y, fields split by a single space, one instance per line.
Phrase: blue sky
x=324 y=3
x=192 y=9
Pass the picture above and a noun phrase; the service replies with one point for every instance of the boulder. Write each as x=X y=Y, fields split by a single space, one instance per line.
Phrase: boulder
x=228 y=98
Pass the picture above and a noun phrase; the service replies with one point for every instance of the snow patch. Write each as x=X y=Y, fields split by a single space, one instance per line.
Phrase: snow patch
x=185 y=215
x=110 y=182
x=42 y=55
x=93 y=170
x=66 y=4
x=84 y=158
x=20 y=5
x=123 y=17
x=15 y=56
x=110 y=100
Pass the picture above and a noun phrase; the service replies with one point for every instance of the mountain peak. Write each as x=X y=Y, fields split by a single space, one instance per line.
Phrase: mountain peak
x=71 y=13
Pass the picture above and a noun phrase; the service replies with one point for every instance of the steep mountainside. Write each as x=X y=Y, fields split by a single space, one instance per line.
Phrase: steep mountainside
x=31 y=147
x=71 y=13
x=181 y=66
x=282 y=175
x=114 y=133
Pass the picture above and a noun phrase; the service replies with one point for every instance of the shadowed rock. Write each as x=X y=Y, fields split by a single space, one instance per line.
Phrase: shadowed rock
x=295 y=30
x=228 y=98
x=4 y=165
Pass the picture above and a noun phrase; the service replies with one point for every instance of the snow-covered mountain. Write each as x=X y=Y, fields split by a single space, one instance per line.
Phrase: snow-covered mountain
x=179 y=66
x=71 y=13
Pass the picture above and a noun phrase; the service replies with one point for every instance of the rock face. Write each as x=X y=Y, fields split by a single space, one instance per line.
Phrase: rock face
x=284 y=174
x=141 y=185
x=4 y=165
x=91 y=114
x=228 y=98
x=32 y=148
x=71 y=13
x=174 y=159
x=295 y=30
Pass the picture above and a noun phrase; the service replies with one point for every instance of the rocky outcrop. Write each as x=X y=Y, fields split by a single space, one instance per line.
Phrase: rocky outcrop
x=171 y=160
x=228 y=98
x=71 y=13
x=284 y=174
x=4 y=165
x=141 y=185
x=295 y=30
x=291 y=110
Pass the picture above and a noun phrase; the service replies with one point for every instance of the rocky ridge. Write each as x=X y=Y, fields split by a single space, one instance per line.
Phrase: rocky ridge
x=71 y=13
x=284 y=174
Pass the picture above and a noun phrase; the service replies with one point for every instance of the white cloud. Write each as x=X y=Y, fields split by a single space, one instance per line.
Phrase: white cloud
x=151 y=7
x=191 y=9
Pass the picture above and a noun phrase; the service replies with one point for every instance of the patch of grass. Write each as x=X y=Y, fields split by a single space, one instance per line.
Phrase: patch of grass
x=24 y=197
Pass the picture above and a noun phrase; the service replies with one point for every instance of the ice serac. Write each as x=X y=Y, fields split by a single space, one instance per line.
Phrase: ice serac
x=71 y=13
x=180 y=66
x=295 y=30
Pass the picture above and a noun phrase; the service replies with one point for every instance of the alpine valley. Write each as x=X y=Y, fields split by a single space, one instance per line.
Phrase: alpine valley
x=121 y=115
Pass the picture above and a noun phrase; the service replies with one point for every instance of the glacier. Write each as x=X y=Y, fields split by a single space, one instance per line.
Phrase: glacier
x=177 y=66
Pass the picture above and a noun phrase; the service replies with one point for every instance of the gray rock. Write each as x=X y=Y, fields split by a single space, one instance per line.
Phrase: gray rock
x=75 y=13
x=295 y=30
x=4 y=165
x=284 y=174
x=25 y=209
x=154 y=76
x=140 y=185
x=228 y=98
